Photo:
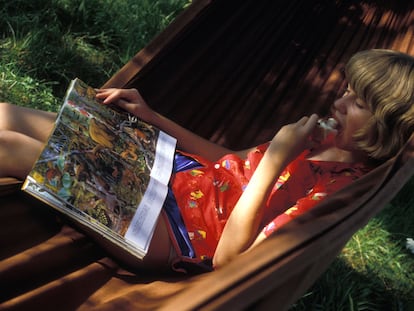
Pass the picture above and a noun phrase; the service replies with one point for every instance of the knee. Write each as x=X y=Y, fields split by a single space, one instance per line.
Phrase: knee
x=6 y=137
x=17 y=154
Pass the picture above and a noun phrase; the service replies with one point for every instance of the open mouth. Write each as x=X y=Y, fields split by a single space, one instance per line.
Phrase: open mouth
x=326 y=128
x=329 y=124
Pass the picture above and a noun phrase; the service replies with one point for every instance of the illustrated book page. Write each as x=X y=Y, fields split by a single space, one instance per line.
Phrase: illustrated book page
x=104 y=168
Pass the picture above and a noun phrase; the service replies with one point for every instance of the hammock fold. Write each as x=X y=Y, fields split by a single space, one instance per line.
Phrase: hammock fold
x=252 y=65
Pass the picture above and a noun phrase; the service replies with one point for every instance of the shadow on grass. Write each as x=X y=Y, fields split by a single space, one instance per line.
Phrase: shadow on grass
x=343 y=288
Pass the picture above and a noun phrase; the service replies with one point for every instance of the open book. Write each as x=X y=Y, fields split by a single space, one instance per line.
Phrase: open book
x=105 y=169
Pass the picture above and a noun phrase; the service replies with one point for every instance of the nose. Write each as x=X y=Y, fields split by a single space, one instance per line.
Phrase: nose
x=340 y=104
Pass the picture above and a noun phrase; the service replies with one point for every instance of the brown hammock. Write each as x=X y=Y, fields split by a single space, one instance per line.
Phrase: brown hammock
x=253 y=65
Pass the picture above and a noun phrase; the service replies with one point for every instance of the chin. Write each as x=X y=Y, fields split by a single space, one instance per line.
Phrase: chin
x=344 y=146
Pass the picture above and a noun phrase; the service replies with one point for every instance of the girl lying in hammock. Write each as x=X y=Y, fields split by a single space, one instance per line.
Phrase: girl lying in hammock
x=223 y=202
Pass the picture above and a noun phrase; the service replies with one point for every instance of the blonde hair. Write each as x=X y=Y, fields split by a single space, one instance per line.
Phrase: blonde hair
x=384 y=80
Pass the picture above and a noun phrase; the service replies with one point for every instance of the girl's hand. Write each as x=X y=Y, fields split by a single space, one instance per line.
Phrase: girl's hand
x=128 y=99
x=293 y=138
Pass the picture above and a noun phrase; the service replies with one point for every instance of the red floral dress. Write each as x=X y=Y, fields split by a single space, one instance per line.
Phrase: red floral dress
x=207 y=195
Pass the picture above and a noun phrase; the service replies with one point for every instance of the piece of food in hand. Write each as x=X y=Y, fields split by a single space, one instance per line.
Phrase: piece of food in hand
x=325 y=128
x=410 y=245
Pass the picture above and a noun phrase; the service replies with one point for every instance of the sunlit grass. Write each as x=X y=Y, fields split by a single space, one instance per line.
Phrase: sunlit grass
x=54 y=41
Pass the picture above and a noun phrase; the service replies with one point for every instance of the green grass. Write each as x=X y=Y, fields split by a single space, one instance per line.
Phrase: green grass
x=46 y=43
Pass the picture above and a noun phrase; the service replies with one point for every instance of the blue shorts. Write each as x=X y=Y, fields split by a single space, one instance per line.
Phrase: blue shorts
x=181 y=163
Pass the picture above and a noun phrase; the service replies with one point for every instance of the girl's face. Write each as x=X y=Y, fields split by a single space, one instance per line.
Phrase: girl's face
x=351 y=113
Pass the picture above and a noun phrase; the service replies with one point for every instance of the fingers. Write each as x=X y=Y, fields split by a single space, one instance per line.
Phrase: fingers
x=107 y=95
x=308 y=120
x=304 y=127
x=307 y=124
x=112 y=95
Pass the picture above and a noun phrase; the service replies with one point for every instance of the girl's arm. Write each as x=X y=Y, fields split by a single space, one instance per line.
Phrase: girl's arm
x=242 y=227
x=132 y=101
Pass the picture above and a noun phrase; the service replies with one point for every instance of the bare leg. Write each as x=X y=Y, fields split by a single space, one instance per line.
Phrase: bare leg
x=23 y=131
x=30 y=122
x=18 y=153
